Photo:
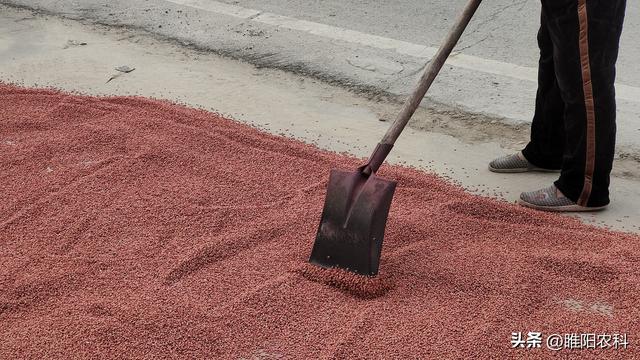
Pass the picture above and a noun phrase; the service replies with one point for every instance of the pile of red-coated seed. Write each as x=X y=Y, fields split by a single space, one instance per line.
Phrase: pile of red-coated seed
x=134 y=228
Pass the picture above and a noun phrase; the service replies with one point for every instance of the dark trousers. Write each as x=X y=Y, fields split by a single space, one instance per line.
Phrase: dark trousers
x=574 y=125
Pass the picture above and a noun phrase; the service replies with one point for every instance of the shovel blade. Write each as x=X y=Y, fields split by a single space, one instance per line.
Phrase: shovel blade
x=353 y=221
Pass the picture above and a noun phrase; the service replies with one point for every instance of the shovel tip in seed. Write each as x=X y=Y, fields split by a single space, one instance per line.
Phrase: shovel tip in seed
x=360 y=286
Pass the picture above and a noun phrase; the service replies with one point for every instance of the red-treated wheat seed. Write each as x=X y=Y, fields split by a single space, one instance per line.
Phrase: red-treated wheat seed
x=135 y=228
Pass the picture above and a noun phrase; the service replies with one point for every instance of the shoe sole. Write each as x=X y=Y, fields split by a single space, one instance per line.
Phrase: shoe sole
x=566 y=208
x=521 y=170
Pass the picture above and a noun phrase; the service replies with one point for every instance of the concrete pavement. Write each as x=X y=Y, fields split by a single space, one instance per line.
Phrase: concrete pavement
x=373 y=46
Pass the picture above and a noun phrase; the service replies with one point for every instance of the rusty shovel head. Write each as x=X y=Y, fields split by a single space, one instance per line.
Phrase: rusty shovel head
x=353 y=222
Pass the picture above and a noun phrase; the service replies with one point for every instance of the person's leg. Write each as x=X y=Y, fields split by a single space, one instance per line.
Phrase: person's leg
x=585 y=36
x=546 y=147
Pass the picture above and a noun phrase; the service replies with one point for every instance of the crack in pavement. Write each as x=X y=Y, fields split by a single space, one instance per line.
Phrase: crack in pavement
x=490 y=19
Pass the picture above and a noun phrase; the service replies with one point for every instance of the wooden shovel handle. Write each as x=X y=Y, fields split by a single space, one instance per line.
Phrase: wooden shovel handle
x=430 y=73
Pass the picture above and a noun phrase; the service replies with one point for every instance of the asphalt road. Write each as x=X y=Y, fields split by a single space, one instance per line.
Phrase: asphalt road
x=373 y=45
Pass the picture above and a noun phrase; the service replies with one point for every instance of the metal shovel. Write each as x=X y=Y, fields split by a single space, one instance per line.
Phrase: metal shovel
x=357 y=202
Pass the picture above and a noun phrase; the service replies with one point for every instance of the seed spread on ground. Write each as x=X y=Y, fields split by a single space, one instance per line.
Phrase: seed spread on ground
x=137 y=228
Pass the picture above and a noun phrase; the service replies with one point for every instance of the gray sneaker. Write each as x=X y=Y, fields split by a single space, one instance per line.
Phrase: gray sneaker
x=551 y=199
x=515 y=163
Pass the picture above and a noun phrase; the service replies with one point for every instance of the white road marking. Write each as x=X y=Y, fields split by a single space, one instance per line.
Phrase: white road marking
x=623 y=92
x=218 y=7
x=352 y=36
